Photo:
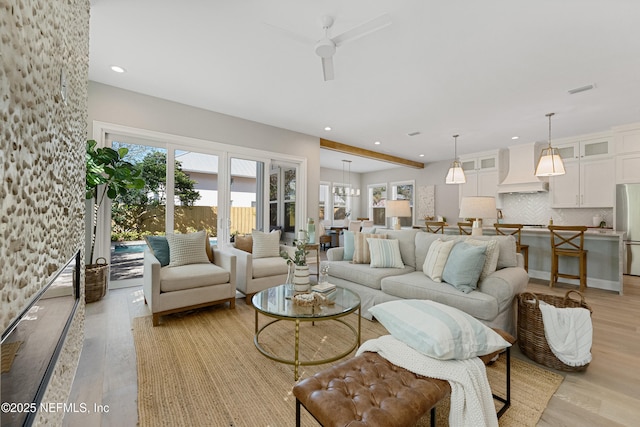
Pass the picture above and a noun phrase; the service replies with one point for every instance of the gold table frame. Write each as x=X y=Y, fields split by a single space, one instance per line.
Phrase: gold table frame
x=303 y=317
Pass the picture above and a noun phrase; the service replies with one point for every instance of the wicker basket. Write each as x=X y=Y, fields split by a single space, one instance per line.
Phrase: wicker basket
x=531 y=339
x=95 y=280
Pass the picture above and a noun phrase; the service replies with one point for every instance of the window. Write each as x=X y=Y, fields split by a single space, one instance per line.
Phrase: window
x=404 y=190
x=324 y=201
x=377 y=194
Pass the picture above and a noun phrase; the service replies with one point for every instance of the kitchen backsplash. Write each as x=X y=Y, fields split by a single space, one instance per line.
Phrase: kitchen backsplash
x=534 y=208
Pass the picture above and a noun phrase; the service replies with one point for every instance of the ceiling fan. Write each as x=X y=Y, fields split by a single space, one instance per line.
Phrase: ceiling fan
x=325 y=48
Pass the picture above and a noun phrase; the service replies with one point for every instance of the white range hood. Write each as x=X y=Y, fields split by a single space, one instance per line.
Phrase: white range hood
x=521 y=177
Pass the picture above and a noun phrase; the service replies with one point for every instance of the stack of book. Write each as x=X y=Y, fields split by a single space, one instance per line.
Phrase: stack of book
x=323 y=288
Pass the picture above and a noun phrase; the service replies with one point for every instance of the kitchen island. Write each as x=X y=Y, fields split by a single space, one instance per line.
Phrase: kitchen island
x=605 y=259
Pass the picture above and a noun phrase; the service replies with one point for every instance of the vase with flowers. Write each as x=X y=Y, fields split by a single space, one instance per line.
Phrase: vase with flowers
x=299 y=262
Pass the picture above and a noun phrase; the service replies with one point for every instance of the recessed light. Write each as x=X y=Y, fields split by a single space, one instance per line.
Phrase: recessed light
x=327 y=128
x=421 y=155
x=377 y=143
x=515 y=137
x=117 y=69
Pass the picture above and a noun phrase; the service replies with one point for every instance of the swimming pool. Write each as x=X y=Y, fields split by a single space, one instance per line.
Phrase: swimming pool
x=138 y=246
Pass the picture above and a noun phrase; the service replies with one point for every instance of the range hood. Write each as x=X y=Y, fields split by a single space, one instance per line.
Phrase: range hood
x=521 y=177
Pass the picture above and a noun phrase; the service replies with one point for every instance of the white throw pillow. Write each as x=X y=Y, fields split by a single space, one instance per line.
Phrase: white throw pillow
x=437 y=330
x=187 y=248
x=265 y=245
x=436 y=259
x=491 y=255
x=385 y=253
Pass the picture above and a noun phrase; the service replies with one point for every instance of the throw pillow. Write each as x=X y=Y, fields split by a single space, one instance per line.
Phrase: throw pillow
x=349 y=245
x=361 y=254
x=491 y=258
x=208 y=249
x=266 y=245
x=244 y=243
x=368 y=230
x=437 y=258
x=385 y=253
x=159 y=248
x=464 y=266
x=437 y=330
x=187 y=248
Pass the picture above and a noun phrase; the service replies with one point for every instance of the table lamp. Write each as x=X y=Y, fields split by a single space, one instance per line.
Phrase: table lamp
x=478 y=208
x=396 y=209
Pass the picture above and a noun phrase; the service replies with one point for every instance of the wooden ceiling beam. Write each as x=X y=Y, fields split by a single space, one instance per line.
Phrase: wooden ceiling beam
x=369 y=154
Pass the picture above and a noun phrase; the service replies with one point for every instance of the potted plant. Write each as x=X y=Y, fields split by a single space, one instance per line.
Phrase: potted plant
x=108 y=175
x=299 y=262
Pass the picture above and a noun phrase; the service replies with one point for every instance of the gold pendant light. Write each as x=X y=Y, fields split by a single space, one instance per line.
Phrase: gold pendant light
x=455 y=174
x=550 y=163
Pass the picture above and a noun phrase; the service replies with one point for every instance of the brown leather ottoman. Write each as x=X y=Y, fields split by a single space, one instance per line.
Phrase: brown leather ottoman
x=368 y=390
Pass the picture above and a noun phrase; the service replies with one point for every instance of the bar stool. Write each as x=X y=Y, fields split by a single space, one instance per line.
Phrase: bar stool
x=515 y=231
x=435 y=226
x=570 y=243
x=465 y=228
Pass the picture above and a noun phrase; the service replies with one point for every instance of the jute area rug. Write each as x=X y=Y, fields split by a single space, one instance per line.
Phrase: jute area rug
x=202 y=369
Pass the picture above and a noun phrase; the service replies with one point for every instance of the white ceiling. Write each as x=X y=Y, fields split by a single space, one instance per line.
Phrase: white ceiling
x=488 y=70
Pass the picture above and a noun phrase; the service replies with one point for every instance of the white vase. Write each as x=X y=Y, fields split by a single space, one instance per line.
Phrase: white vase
x=301 y=278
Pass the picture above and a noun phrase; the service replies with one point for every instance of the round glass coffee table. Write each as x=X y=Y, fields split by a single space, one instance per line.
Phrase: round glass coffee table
x=276 y=303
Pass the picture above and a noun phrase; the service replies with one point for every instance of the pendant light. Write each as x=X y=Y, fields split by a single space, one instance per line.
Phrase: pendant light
x=455 y=174
x=550 y=163
x=346 y=191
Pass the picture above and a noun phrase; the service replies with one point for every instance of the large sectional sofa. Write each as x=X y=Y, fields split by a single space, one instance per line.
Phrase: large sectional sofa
x=492 y=302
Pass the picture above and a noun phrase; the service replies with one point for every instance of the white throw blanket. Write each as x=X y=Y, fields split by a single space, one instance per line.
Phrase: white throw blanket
x=568 y=332
x=471 y=399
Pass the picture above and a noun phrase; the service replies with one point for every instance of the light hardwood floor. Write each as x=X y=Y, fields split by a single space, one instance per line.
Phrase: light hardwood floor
x=606 y=394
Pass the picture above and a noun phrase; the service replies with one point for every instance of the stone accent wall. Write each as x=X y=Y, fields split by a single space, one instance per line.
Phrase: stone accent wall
x=42 y=140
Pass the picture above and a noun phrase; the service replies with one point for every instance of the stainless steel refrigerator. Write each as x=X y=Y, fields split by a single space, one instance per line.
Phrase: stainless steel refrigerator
x=628 y=220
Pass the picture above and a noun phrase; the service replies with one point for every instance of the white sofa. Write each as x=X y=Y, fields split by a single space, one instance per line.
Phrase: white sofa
x=173 y=289
x=492 y=302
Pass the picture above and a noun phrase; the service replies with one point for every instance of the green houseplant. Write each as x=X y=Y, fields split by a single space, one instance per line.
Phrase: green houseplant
x=108 y=175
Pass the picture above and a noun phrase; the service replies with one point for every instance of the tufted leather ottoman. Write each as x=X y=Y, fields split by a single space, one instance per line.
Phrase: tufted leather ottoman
x=368 y=390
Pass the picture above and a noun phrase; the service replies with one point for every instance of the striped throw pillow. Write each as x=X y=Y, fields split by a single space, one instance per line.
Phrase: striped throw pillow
x=437 y=330
x=385 y=253
x=361 y=253
x=187 y=248
x=436 y=259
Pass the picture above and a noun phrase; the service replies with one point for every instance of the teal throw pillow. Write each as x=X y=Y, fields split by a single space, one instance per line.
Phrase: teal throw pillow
x=437 y=330
x=464 y=266
x=159 y=248
x=349 y=246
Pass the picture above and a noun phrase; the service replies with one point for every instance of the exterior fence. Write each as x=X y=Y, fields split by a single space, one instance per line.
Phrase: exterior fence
x=195 y=218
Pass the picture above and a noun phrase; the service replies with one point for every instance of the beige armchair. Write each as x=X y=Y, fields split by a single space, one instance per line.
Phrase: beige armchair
x=174 y=289
x=257 y=274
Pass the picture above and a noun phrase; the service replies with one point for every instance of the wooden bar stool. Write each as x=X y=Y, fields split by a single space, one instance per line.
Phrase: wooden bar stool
x=435 y=226
x=569 y=243
x=515 y=231
x=465 y=228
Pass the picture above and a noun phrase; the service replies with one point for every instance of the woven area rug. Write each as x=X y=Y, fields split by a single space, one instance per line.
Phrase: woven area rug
x=202 y=368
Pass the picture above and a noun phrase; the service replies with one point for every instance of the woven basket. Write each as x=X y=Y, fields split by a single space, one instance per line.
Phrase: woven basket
x=531 y=339
x=95 y=280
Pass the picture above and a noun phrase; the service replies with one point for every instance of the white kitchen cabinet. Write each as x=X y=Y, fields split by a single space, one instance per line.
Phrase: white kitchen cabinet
x=627 y=144
x=628 y=168
x=586 y=184
x=481 y=172
x=587 y=149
